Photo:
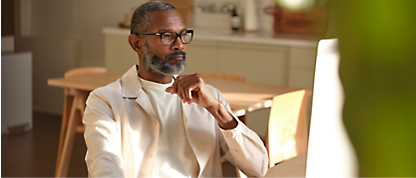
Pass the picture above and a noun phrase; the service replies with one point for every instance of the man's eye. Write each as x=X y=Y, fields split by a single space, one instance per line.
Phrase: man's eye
x=166 y=35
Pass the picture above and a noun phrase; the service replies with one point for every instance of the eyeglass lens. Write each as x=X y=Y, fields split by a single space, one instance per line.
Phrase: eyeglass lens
x=169 y=37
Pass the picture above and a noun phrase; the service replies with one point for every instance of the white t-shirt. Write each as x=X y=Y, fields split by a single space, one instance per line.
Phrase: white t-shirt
x=174 y=157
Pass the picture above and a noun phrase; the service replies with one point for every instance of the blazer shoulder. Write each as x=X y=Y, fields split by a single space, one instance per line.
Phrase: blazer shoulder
x=111 y=90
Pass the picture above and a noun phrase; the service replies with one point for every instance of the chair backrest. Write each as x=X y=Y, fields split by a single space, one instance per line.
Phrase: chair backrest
x=223 y=76
x=84 y=71
x=287 y=128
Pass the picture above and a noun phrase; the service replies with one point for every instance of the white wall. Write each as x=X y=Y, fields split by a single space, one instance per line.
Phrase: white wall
x=65 y=35
x=81 y=21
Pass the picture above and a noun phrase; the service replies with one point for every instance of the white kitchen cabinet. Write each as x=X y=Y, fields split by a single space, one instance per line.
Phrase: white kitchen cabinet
x=301 y=67
x=202 y=56
x=272 y=64
x=256 y=63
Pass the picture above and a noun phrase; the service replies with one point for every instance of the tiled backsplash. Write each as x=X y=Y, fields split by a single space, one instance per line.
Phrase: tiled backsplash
x=221 y=21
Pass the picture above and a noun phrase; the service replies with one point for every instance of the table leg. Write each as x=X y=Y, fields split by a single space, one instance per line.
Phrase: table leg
x=65 y=156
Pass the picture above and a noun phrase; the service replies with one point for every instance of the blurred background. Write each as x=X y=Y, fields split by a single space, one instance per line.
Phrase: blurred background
x=264 y=41
x=267 y=41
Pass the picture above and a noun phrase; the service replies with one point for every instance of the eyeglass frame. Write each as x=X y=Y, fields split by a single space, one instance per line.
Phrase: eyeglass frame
x=174 y=41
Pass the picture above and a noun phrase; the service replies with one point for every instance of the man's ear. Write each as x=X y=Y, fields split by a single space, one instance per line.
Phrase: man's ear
x=135 y=43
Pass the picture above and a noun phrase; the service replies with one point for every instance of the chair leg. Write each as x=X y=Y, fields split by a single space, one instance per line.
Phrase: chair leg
x=63 y=165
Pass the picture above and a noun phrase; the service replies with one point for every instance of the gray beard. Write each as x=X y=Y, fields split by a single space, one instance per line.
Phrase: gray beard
x=156 y=65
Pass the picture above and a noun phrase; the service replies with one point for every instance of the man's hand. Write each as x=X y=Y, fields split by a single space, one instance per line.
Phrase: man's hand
x=192 y=89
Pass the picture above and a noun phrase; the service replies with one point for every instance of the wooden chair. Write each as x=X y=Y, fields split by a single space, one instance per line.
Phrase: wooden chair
x=74 y=107
x=223 y=76
x=287 y=128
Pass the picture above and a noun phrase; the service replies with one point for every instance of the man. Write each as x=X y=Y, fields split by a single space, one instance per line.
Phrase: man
x=153 y=123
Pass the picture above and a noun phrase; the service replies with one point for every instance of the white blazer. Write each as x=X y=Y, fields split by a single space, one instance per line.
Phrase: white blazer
x=122 y=134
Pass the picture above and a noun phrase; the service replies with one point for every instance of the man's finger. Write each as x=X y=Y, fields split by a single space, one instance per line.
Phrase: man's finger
x=174 y=87
x=189 y=87
x=168 y=90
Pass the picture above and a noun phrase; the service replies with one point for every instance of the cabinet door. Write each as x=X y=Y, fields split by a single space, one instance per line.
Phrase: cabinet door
x=256 y=63
x=201 y=56
x=302 y=67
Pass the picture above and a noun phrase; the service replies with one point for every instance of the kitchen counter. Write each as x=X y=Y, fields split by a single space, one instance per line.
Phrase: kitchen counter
x=239 y=37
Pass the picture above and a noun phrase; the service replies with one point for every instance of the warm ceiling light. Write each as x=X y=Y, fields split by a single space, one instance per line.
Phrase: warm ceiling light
x=296 y=5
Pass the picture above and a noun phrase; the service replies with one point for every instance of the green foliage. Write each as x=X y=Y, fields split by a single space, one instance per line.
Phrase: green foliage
x=378 y=72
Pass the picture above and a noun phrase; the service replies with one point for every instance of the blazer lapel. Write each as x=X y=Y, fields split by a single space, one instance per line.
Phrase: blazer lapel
x=144 y=101
x=200 y=129
x=132 y=89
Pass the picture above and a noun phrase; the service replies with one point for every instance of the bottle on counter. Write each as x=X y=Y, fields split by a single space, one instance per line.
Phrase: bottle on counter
x=235 y=20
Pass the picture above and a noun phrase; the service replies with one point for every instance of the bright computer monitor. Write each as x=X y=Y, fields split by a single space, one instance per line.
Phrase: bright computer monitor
x=330 y=153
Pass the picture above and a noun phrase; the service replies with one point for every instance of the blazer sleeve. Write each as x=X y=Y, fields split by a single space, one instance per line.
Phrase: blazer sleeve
x=103 y=139
x=242 y=146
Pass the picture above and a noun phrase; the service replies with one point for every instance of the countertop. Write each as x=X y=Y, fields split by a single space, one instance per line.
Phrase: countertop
x=239 y=37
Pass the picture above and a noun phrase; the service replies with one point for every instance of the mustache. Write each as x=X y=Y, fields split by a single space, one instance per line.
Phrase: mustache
x=176 y=54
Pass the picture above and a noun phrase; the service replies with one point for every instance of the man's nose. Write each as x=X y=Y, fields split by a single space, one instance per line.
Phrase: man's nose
x=178 y=45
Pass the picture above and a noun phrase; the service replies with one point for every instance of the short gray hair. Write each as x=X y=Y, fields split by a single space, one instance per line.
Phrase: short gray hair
x=140 y=20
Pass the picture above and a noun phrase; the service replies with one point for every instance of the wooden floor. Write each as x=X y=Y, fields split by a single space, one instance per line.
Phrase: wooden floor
x=33 y=153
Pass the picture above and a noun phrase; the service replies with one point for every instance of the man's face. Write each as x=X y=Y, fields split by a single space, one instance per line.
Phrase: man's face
x=160 y=59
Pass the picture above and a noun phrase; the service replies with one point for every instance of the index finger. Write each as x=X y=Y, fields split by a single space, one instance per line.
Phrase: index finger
x=174 y=88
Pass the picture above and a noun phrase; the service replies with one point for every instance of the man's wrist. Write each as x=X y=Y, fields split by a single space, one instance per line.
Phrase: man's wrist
x=214 y=106
x=224 y=118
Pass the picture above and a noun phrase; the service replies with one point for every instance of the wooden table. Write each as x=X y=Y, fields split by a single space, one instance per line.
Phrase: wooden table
x=242 y=96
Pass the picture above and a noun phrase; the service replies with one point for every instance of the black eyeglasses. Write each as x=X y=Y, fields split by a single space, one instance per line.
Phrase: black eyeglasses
x=169 y=38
